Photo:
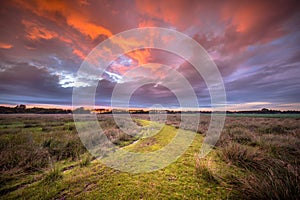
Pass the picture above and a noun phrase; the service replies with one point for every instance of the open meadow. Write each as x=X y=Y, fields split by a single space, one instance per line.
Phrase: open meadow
x=42 y=157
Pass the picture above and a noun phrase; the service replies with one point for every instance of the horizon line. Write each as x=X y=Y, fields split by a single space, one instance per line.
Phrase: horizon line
x=91 y=108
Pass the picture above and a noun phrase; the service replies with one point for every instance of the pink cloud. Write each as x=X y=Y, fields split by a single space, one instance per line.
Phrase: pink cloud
x=4 y=45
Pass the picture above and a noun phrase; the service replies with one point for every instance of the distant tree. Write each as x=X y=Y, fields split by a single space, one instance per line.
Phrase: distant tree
x=21 y=107
x=265 y=110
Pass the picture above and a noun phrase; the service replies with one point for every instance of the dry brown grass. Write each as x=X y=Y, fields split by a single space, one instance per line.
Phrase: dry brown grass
x=266 y=150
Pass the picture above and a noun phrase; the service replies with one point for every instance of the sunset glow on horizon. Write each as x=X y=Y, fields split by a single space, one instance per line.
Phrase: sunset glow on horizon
x=255 y=45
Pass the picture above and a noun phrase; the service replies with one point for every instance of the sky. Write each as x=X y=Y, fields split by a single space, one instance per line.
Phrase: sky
x=255 y=45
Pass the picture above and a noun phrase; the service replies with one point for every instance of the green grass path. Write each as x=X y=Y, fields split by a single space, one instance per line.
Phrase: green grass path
x=179 y=180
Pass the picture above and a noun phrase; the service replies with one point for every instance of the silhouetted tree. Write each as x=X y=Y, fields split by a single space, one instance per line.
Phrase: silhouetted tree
x=21 y=107
x=264 y=110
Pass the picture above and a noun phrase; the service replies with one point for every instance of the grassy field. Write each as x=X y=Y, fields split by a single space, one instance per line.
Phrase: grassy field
x=42 y=157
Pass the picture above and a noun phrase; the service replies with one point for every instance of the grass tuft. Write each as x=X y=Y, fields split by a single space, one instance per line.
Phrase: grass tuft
x=242 y=156
x=276 y=182
x=86 y=161
x=53 y=175
x=203 y=171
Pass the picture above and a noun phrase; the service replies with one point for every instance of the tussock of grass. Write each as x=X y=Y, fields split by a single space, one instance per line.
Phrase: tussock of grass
x=266 y=150
x=242 y=156
x=53 y=175
x=274 y=129
x=86 y=161
x=27 y=158
x=275 y=182
x=203 y=170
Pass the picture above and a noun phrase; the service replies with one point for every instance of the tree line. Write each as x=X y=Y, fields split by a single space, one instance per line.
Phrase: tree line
x=23 y=109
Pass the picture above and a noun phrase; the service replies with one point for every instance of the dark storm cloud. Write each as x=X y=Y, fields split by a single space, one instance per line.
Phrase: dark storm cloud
x=22 y=82
x=276 y=84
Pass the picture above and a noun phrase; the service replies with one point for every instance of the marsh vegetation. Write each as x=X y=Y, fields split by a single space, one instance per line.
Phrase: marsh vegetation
x=41 y=156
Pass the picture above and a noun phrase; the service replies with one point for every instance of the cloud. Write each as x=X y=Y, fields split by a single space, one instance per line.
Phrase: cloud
x=255 y=45
x=73 y=16
x=23 y=81
x=79 y=53
x=175 y=13
x=276 y=84
x=5 y=45
x=87 y=28
x=36 y=32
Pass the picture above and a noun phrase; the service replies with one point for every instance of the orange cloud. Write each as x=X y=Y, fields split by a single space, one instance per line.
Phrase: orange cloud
x=245 y=17
x=35 y=32
x=167 y=10
x=146 y=23
x=140 y=56
x=5 y=45
x=127 y=43
x=79 y=53
x=54 y=9
x=86 y=28
x=177 y=13
x=65 y=39
x=84 y=3
x=120 y=69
